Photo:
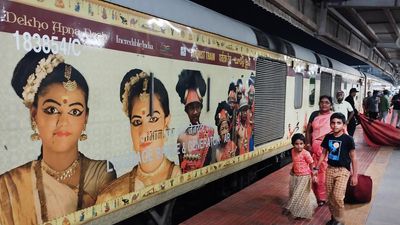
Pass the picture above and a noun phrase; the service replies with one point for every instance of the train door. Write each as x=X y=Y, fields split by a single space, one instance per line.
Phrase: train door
x=270 y=84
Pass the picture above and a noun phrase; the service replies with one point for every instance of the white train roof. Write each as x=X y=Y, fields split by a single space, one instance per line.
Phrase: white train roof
x=188 y=13
x=304 y=53
x=343 y=67
x=193 y=15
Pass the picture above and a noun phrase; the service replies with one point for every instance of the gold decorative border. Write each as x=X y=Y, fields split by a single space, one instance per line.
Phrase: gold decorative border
x=150 y=191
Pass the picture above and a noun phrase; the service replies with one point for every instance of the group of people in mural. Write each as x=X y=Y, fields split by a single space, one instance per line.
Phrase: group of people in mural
x=63 y=180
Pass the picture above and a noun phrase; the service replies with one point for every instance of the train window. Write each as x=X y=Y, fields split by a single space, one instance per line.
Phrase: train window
x=338 y=84
x=270 y=96
x=311 y=94
x=298 y=90
x=326 y=84
x=345 y=85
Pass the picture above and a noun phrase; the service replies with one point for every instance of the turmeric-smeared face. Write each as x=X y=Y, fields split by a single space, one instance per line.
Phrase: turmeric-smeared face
x=147 y=131
x=60 y=116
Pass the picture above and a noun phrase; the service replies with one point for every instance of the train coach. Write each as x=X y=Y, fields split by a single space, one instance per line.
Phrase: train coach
x=175 y=102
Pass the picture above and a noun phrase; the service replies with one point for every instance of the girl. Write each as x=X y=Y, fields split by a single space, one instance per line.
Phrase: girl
x=302 y=201
x=135 y=96
x=62 y=180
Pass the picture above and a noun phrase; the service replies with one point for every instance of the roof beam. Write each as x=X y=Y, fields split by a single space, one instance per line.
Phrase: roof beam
x=364 y=25
x=387 y=45
x=349 y=25
x=365 y=4
x=392 y=22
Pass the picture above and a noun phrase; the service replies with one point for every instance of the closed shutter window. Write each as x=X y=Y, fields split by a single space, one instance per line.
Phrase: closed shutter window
x=269 y=113
x=326 y=84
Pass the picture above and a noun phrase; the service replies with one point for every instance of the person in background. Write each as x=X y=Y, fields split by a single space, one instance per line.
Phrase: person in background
x=343 y=106
x=396 y=109
x=318 y=126
x=302 y=201
x=365 y=103
x=351 y=126
x=341 y=153
x=373 y=105
x=384 y=106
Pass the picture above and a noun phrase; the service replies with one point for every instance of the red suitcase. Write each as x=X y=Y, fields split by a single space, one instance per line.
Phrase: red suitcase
x=361 y=193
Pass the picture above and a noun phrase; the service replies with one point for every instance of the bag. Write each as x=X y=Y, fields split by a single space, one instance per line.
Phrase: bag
x=361 y=193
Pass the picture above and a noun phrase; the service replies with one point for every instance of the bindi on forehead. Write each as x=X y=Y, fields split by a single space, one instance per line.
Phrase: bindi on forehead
x=64 y=99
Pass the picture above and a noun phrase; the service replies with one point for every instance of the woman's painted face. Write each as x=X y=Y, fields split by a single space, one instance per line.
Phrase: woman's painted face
x=147 y=131
x=325 y=105
x=60 y=116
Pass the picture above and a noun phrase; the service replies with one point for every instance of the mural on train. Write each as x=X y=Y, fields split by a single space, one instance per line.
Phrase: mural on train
x=99 y=109
x=104 y=107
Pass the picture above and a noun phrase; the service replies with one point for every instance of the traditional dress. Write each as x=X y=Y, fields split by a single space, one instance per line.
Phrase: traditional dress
x=136 y=180
x=320 y=127
x=244 y=132
x=226 y=151
x=195 y=149
x=19 y=192
x=302 y=201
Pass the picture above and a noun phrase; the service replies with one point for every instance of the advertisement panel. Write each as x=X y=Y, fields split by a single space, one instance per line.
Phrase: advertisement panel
x=103 y=106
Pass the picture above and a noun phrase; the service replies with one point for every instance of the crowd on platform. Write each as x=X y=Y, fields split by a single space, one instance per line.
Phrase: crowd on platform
x=324 y=160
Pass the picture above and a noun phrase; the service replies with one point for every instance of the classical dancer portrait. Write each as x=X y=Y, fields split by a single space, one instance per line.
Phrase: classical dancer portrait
x=62 y=180
x=149 y=118
x=195 y=142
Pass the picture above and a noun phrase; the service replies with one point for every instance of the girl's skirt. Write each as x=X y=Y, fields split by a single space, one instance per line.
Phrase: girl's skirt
x=302 y=201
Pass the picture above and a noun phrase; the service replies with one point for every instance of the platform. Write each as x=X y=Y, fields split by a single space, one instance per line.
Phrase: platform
x=261 y=203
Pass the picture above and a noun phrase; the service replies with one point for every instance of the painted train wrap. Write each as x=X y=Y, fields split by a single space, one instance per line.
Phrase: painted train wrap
x=172 y=108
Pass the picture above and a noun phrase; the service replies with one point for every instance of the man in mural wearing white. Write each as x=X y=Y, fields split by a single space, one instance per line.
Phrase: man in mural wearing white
x=343 y=106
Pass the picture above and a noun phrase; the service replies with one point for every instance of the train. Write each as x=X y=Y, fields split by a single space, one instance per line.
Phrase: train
x=180 y=96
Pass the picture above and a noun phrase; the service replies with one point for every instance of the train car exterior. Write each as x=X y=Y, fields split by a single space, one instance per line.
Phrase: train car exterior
x=172 y=107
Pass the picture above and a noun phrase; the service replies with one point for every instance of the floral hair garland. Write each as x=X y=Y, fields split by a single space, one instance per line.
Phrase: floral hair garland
x=132 y=81
x=44 y=67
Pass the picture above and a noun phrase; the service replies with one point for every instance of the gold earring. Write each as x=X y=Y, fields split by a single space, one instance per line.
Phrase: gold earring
x=83 y=136
x=35 y=135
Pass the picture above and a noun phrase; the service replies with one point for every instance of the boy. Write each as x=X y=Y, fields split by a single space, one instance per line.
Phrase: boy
x=341 y=152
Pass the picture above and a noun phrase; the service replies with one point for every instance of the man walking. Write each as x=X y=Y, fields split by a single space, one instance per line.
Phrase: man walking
x=396 y=109
x=351 y=127
x=343 y=106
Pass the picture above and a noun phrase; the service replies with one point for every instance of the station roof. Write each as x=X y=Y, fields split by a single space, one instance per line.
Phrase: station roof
x=354 y=32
